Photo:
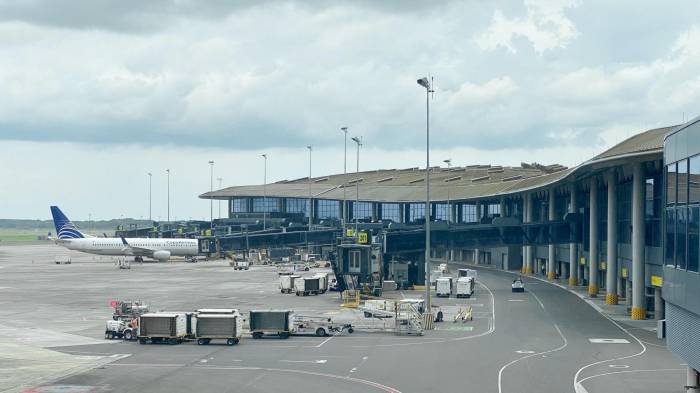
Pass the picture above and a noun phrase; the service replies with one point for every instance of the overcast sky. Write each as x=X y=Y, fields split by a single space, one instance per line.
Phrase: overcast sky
x=95 y=94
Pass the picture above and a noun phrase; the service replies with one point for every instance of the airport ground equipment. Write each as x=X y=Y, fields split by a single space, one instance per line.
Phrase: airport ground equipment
x=322 y=282
x=240 y=265
x=351 y=298
x=287 y=282
x=443 y=287
x=465 y=287
x=443 y=268
x=218 y=326
x=517 y=285
x=163 y=327
x=463 y=315
x=121 y=329
x=409 y=320
x=275 y=322
x=62 y=260
x=128 y=309
x=305 y=286
x=318 y=325
x=467 y=273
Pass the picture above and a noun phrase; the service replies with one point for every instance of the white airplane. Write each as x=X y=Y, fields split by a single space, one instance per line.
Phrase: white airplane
x=70 y=237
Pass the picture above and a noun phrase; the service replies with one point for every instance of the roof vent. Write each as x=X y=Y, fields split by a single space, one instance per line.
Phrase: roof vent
x=449 y=179
x=516 y=177
x=495 y=170
x=353 y=181
x=416 y=180
x=476 y=179
x=320 y=180
x=385 y=179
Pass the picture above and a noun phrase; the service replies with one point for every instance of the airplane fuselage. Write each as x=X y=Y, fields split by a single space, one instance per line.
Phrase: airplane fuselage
x=115 y=246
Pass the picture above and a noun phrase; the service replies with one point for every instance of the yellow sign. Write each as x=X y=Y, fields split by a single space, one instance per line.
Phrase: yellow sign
x=362 y=237
x=603 y=266
x=349 y=232
x=583 y=260
x=624 y=272
x=657 y=281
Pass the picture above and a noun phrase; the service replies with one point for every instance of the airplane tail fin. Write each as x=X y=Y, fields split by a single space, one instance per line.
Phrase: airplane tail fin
x=64 y=227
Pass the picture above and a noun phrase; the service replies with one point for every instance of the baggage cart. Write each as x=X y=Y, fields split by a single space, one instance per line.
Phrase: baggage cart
x=162 y=327
x=218 y=326
x=275 y=322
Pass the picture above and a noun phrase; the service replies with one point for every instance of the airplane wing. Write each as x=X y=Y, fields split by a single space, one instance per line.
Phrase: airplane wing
x=137 y=251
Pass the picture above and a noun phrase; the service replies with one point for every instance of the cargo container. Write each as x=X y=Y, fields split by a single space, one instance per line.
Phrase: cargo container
x=162 y=327
x=467 y=273
x=465 y=287
x=215 y=326
x=323 y=282
x=270 y=322
x=443 y=286
x=287 y=283
x=305 y=286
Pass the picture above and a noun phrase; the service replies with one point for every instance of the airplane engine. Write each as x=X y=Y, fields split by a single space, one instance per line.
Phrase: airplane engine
x=161 y=255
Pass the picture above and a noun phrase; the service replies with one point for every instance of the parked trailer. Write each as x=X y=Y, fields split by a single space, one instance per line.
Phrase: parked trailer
x=467 y=273
x=270 y=322
x=287 y=283
x=307 y=286
x=465 y=287
x=163 y=327
x=443 y=286
x=223 y=326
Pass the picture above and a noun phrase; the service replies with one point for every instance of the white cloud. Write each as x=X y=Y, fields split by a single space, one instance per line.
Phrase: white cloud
x=545 y=25
x=497 y=89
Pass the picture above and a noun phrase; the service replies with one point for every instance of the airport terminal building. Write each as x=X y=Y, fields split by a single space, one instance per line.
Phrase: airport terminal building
x=631 y=216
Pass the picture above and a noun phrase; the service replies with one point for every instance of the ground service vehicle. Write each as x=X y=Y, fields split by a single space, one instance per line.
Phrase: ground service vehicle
x=121 y=329
x=320 y=326
x=223 y=326
x=128 y=309
x=517 y=285
x=163 y=327
x=443 y=286
x=241 y=265
x=465 y=287
x=275 y=322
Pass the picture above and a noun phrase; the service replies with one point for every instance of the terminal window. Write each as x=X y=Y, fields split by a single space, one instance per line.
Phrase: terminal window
x=239 y=205
x=354 y=265
x=265 y=205
x=416 y=212
x=391 y=211
x=297 y=205
x=442 y=212
x=469 y=213
x=361 y=210
x=328 y=209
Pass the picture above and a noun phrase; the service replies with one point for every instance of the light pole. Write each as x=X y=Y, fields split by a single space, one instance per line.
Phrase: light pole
x=150 y=194
x=211 y=201
x=358 y=141
x=311 y=210
x=449 y=205
x=424 y=82
x=345 y=172
x=219 y=179
x=265 y=193
x=168 y=172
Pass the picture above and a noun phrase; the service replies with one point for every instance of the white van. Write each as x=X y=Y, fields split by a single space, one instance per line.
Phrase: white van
x=465 y=287
x=443 y=286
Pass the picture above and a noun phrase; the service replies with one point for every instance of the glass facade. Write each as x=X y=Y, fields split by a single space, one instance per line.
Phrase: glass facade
x=416 y=211
x=266 y=205
x=442 y=211
x=682 y=214
x=468 y=213
x=391 y=211
x=239 y=205
x=361 y=210
x=297 y=205
x=493 y=210
x=327 y=209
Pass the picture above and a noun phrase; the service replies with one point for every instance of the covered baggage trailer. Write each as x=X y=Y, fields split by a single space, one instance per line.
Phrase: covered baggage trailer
x=443 y=286
x=218 y=326
x=276 y=322
x=287 y=283
x=467 y=273
x=323 y=281
x=305 y=286
x=162 y=327
x=465 y=287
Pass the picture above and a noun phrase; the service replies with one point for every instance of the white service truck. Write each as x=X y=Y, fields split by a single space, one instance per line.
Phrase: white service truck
x=443 y=286
x=241 y=265
x=465 y=287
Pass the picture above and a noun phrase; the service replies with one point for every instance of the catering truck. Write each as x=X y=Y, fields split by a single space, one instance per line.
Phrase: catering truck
x=465 y=287
x=443 y=286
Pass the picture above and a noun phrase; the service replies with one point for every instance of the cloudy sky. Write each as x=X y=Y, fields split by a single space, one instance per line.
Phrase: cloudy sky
x=94 y=94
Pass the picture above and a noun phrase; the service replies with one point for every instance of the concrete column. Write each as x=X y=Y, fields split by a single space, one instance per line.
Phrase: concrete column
x=638 y=190
x=611 y=267
x=529 y=255
x=593 y=238
x=503 y=207
x=573 y=246
x=551 y=257
x=658 y=304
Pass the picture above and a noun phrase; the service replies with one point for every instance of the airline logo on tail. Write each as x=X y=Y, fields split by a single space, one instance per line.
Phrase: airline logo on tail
x=64 y=227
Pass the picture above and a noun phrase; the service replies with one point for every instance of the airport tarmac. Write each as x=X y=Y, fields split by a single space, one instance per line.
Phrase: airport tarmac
x=546 y=339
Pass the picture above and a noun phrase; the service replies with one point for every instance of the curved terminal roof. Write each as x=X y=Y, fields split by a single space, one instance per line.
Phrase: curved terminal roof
x=456 y=183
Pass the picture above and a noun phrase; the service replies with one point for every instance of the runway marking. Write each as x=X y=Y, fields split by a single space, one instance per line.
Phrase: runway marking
x=524 y=351
x=516 y=300
x=619 y=366
x=500 y=372
x=536 y=298
x=608 y=341
x=581 y=389
x=321 y=361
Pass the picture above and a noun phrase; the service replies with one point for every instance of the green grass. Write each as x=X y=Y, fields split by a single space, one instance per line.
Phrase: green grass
x=20 y=235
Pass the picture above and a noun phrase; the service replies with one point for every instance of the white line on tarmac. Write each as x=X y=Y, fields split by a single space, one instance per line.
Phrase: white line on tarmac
x=536 y=298
x=500 y=372
x=583 y=390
